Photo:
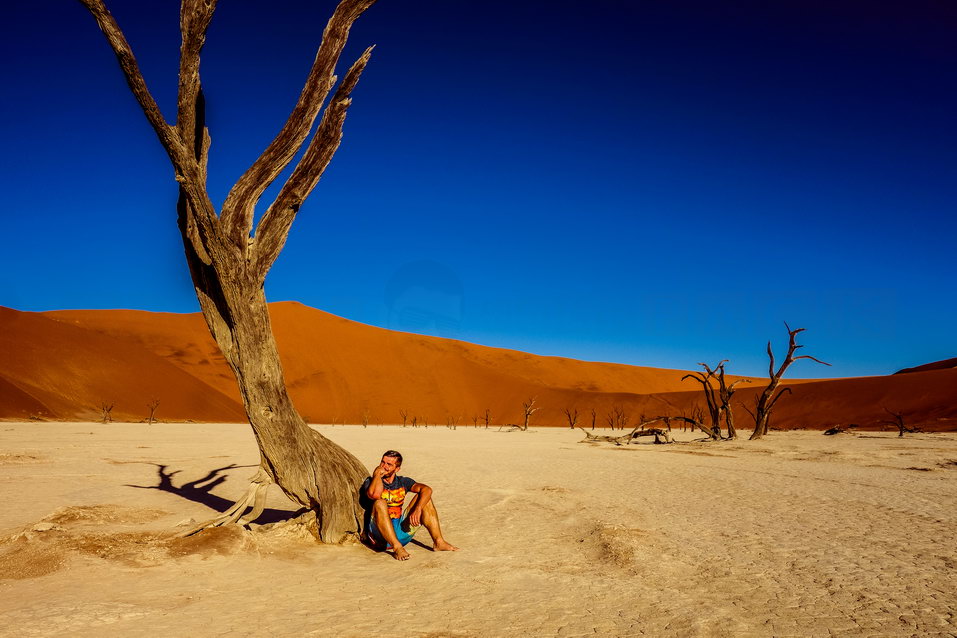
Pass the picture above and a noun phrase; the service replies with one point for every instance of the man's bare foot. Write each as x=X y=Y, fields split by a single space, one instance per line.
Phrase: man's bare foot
x=399 y=553
x=443 y=546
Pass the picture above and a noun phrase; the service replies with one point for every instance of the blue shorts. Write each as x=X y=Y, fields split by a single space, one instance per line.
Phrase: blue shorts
x=403 y=536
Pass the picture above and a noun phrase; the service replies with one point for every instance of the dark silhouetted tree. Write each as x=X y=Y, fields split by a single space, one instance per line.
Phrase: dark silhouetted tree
x=152 y=405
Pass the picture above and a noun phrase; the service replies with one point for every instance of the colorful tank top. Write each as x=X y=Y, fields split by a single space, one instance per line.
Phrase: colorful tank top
x=393 y=493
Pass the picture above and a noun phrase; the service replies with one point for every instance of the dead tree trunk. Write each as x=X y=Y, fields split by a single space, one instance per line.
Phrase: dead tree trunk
x=767 y=399
x=152 y=405
x=618 y=418
x=714 y=407
x=572 y=415
x=228 y=262
x=725 y=392
x=106 y=412
x=898 y=422
x=529 y=409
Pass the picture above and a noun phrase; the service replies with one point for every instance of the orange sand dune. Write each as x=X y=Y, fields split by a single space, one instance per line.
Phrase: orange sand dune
x=338 y=370
x=65 y=363
x=52 y=369
x=936 y=365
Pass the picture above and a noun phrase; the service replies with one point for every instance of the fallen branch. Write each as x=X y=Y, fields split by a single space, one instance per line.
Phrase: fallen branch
x=661 y=435
x=839 y=429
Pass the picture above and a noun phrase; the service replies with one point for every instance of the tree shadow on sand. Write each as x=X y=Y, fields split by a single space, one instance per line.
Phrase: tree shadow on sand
x=200 y=491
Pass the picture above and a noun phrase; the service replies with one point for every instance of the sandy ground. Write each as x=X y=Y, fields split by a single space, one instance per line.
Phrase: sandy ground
x=797 y=535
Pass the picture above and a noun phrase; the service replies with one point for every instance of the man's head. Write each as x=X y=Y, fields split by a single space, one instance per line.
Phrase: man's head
x=391 y=462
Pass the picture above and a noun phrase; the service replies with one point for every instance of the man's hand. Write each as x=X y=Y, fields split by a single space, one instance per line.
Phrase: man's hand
x=415 y=517
x=378 y=472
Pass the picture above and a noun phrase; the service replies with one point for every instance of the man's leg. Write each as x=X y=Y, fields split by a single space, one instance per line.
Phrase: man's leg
x=430 y=520
x=380 y=517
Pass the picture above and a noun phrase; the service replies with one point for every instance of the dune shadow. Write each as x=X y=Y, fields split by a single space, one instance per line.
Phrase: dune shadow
x=200 y=491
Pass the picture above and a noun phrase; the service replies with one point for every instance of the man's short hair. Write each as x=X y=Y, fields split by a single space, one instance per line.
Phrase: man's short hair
x=393 y=454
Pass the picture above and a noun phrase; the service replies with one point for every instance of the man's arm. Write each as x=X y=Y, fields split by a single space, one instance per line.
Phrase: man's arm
x=424 y=496
x=376 y=487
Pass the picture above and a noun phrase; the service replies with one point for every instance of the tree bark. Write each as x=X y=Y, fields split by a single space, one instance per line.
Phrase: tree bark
x=309 y=468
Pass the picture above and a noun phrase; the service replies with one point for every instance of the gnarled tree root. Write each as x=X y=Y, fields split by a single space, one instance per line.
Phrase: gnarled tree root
x=254 y=498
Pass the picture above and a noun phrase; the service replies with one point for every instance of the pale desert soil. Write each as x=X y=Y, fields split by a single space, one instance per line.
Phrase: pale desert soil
x=797 y=535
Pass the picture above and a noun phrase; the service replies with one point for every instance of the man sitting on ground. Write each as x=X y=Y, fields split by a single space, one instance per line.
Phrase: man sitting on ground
x=384 y=495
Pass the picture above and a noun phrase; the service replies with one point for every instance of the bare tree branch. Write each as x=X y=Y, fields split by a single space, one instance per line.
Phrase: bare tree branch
x=273 y=228
x=194 y=19
x=134 y=78
x=241 y=201
x=189 y=172
x=783 y=391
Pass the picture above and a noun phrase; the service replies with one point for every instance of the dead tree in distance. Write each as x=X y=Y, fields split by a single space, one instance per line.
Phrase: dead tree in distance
x=572 y=415
x=697 y=416
x=718 y=399
x=725 y=392
x=594 y=415
x=405 y=416
x=711 y=399
x=152 y=405
x=617 y=418
x=106 y=412
x=767 y=400
x=228 y=259
x=898 y=422
x=488 y=417
x=529 y=409
x=610 y=420
x=692 y=421
x=621 y=417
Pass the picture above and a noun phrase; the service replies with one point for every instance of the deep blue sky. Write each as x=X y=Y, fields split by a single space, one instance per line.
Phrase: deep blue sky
x=656 y=183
